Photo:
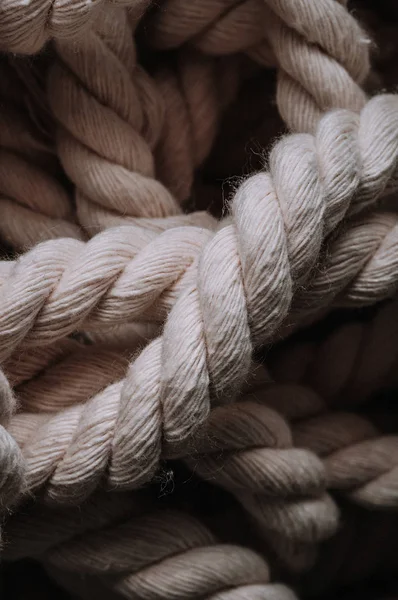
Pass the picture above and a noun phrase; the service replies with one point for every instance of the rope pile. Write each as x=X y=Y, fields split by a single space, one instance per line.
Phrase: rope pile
x=198 y=299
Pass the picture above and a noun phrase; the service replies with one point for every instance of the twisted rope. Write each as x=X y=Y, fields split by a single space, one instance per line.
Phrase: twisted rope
x=195 y=93
x=227 y=293
x=121 y=266
x=359 y=461
x=284 y=485
x=320 y=49
x=34 y=206
x=26 y=27
x=12 y=466
x=185 y=562
x=248 y=449
x=176 y=370
x=346 y=366
x=107 y=131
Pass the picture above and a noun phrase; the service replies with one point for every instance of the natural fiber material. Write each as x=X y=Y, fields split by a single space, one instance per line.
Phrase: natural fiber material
x=149 y=263
x=12 y=466
x=324 y=210
x=26 y=27
x=125 y=558
x=313 y=77
x=348 y=364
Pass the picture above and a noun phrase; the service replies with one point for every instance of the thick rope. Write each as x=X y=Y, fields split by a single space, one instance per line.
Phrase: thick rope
x=121 y=266
x=34 y=206
x=195 y=92
x=320 y=49
x=347 y=365
x=107 y=131
x=113 y=130
x=26 y=27
x=185 y=562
